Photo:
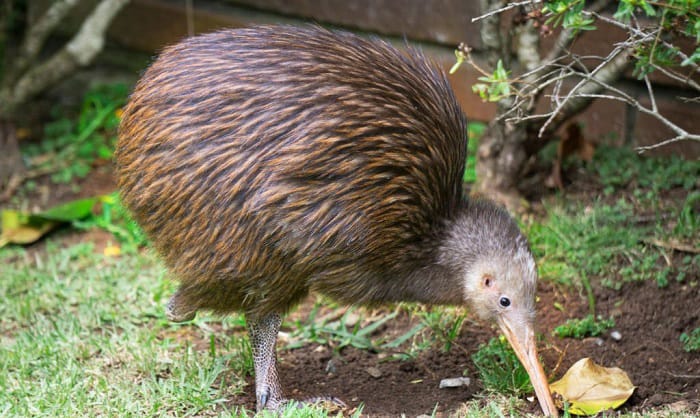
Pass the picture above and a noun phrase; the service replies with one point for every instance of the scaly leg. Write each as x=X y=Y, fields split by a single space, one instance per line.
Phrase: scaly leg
x=263 y=338
x=268 y=390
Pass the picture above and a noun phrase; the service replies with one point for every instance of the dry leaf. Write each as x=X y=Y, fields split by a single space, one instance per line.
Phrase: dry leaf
x=590 y=388
x=19 y=227
x=112 y=251
x=572 y=142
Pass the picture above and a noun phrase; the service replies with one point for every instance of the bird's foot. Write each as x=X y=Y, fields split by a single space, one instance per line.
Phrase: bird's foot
x=327 y=402
x=276 y=403
x=268 y=390
x=176 y=312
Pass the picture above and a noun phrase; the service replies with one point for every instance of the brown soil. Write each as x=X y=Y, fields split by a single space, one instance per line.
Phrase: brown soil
x=650 y=320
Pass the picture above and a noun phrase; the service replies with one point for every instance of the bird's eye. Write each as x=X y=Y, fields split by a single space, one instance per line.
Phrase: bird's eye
x=504 y=302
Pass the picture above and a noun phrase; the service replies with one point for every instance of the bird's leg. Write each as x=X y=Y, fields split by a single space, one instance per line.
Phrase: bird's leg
x=268 y=390
x=263 y=338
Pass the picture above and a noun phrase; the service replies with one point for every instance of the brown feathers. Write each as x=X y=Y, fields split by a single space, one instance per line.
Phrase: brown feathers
x=266 y=162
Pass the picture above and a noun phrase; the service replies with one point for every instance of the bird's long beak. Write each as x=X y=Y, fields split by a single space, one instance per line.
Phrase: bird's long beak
x=522 y=339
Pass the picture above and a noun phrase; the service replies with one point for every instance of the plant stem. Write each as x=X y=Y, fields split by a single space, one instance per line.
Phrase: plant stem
x=589 y=293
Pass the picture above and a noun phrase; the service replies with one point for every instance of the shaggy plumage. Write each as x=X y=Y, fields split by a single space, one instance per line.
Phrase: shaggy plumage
x=268 y=162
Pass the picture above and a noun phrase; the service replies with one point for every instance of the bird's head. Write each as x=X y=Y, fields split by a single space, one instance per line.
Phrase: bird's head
x=500 y=279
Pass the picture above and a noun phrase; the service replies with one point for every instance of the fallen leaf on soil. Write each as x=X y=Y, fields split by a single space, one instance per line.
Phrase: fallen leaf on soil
x=112 y=251
x=590 y=388
x=24 y=228
x=16 y=229
x=573 y=142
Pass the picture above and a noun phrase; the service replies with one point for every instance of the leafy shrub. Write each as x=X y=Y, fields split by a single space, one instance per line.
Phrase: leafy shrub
x=71 y=145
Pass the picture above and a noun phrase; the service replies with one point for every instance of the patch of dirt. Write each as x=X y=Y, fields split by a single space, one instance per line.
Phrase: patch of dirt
x=650 y=320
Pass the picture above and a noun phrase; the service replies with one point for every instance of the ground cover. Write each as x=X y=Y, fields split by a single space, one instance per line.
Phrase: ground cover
x=83 y=330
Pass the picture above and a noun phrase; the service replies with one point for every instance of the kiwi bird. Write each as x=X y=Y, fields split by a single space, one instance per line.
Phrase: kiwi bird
x=264 y=163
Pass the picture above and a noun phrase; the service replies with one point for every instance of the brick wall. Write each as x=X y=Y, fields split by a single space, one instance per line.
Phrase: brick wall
x=439 y=25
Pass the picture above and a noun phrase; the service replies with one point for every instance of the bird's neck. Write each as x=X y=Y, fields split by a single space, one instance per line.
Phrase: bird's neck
x=434 y=284
x=478 y=230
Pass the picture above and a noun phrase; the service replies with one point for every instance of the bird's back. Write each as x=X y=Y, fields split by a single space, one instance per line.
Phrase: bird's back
x=262 y=162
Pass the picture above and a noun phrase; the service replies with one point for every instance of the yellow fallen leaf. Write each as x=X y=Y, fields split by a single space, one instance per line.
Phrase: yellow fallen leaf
x=590 y=388
x=112 y=251
x=17 y=228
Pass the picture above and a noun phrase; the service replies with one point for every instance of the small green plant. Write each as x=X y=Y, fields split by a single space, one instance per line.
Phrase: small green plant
x=499 y=368
x=114 y=218
x=567 y=13
x=494 y=87
x=71 y=146
x=691 y=342
x=620 y=168
x=445 y=324
x=689 y=219
x=588 y=326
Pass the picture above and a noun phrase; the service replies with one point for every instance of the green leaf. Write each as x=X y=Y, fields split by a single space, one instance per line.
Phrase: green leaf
x=648 y=9
x=71 y=211
x=104 y=152
x=695 y=57
x=624 y=11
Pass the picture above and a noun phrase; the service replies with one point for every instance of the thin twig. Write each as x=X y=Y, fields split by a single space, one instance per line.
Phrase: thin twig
x=613 y=67
x=652 y=96
x=639 y=32
x=505 y=8
x=667 y=142
x=682 y=134
x=672 y=245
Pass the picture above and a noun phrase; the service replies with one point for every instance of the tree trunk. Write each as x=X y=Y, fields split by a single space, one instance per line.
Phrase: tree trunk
x=500 y=160
x=11 y=165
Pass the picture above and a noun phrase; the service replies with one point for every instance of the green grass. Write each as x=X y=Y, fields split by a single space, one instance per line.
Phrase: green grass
x=350 y=330
x=623 y=168
x=500 y=370
x=85 y=335
x=445 y=324
x=604 y=241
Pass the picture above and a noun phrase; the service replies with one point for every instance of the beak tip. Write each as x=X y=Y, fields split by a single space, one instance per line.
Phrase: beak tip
x=525 y=348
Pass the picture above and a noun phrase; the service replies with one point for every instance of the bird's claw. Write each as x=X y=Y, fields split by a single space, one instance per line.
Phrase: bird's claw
x=262 y=400
x=328 y=401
